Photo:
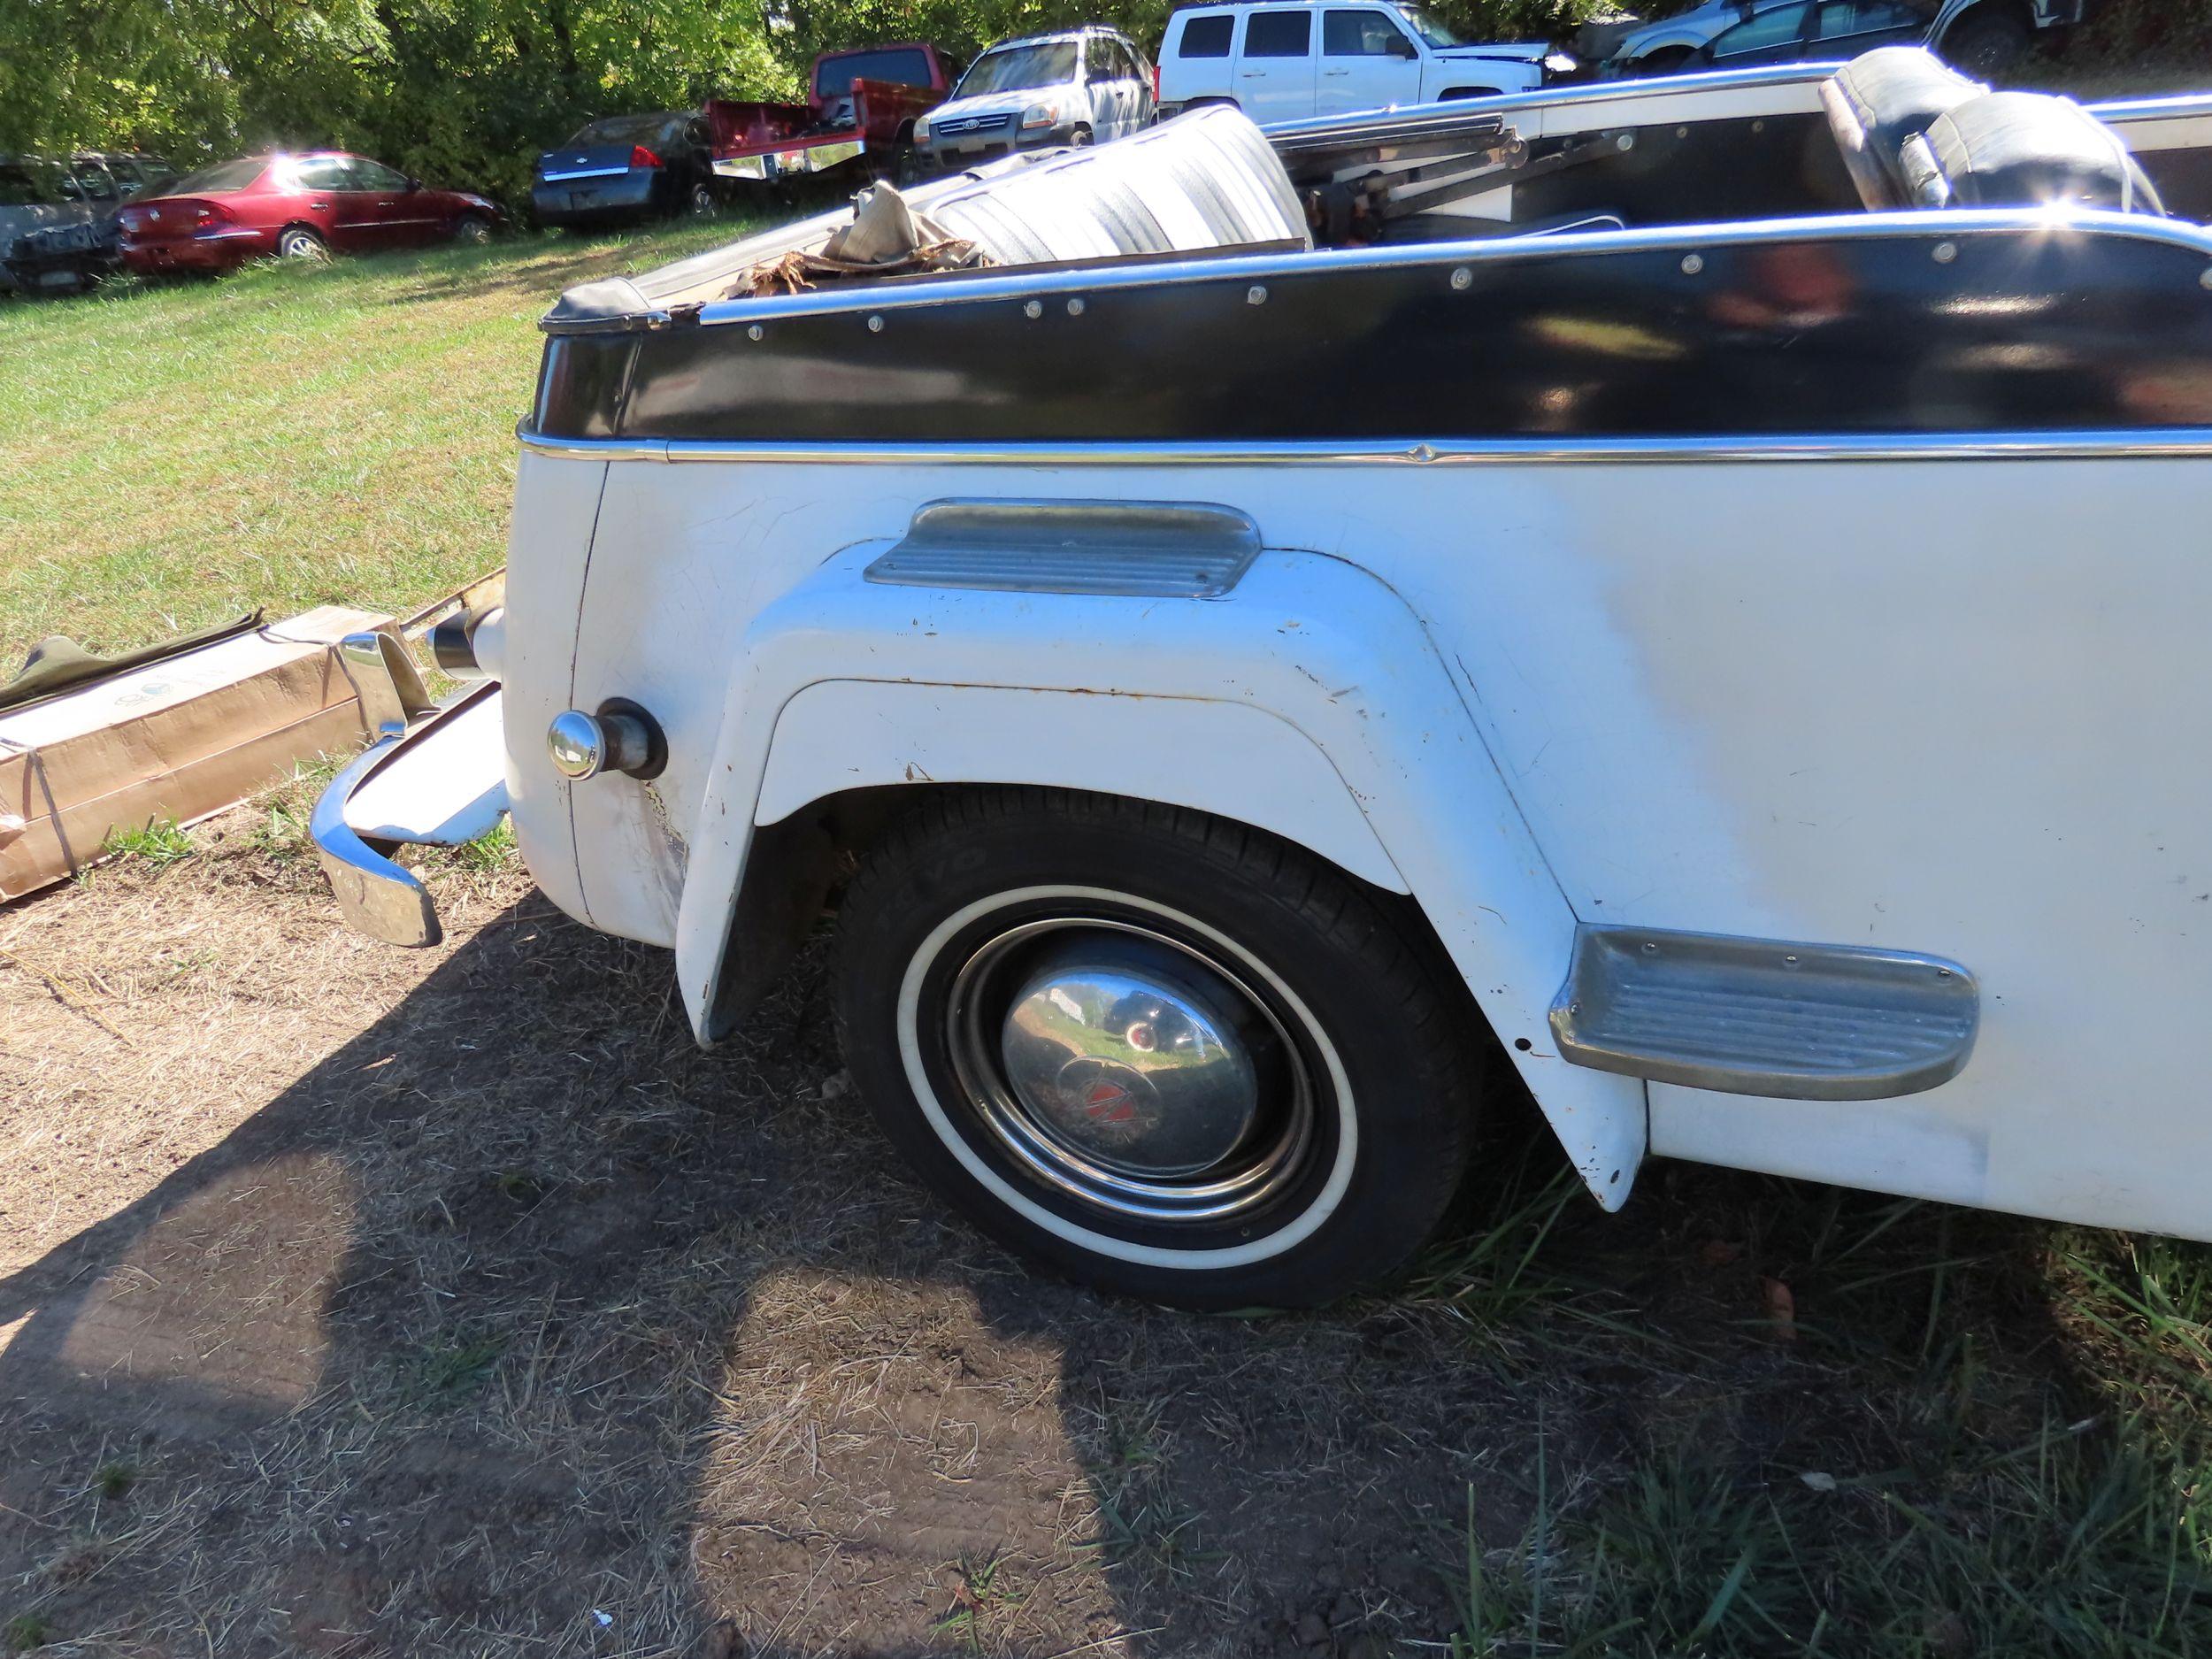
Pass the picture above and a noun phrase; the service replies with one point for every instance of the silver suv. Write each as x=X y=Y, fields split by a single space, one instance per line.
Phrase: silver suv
x=1081 y=86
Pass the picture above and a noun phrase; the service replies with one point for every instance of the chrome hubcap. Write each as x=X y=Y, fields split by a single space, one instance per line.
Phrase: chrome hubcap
x=1130 y=1069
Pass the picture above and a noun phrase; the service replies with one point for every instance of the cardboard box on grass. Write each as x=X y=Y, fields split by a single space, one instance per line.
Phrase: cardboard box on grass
x=177 y=738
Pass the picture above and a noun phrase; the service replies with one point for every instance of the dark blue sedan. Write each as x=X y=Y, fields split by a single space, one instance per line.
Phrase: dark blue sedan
x=626 y=167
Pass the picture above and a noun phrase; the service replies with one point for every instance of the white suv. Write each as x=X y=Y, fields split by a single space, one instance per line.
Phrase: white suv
x=1082 y=86
x=1286 y=62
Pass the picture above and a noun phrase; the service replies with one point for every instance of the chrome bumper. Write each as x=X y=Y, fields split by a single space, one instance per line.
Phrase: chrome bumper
x=433 y=785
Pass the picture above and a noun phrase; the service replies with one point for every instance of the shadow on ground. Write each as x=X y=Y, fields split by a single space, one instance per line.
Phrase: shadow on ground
x=517 y=1317
x=516 y=1324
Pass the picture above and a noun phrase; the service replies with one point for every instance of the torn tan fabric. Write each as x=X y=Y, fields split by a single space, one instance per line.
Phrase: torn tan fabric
x=887 y=238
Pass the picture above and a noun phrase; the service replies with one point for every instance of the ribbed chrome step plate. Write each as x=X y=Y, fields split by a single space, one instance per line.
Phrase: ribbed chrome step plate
x=1161 y=549
x=1765 y=1017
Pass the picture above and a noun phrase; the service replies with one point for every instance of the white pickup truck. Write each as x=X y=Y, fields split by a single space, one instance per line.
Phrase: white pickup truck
x=1262 y=663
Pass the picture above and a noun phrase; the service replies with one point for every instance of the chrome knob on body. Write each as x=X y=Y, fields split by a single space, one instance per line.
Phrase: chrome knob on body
x=618 y=738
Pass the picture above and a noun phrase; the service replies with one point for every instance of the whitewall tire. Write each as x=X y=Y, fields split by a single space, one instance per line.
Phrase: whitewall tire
x=1172 y=1056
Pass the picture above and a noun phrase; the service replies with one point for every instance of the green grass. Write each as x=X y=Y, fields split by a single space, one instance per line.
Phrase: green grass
x=1979 y=1436
x=172 y=456
x=162 y=841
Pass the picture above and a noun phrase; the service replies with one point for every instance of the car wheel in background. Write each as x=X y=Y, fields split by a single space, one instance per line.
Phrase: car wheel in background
x=297 y=241
x=701 y=200
x=1666 y=61
x=1081 y=136
x=904 y=168
x=473 y=229
x=1986 y=44
x=1175 y=1057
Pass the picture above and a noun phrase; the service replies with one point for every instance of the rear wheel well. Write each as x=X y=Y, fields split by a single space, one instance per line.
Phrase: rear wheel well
x=1662 y=60
x=798 y=868
x=305 y=228
x=1200 y=104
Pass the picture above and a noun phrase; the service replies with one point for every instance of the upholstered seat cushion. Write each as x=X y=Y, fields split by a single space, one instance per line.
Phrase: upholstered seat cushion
x=1878 y=101
x=2029 y=149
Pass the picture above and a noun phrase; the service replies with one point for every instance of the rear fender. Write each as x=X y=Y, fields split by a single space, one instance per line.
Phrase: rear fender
x=1308 y=701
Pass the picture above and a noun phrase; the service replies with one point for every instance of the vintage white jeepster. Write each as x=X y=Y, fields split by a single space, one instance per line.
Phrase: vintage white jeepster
x=1696 y=586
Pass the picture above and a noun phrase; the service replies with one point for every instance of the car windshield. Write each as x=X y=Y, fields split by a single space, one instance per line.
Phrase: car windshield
x=1012 y=68
x=624 y=129
x=903 y=67
x=1427 y=27
x=229 y=175
x=25 y=182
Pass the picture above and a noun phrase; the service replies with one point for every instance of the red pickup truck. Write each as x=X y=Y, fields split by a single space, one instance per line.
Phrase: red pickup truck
x=858 y=116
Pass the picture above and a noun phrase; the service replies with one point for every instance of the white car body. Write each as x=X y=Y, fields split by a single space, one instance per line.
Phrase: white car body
x=1333 y=56
x=1561 y=684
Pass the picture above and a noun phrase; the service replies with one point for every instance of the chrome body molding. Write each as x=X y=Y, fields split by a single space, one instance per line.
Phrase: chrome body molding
x=905 y=293
x=1969 y=446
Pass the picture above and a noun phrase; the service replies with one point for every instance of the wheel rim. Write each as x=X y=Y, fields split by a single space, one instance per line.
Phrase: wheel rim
x=299 y=245
x=702 y=199
x=1133 y=1071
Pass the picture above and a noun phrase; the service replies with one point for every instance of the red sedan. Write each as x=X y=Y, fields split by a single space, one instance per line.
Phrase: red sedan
x=296 y=206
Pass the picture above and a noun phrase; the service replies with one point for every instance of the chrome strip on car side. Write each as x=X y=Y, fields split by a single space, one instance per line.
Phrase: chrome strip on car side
x=1014 y=283
x=1969 y=446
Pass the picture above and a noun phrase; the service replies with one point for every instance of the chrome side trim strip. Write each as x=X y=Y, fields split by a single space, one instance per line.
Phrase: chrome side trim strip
x=585 y=173
x=2169 y=441
x=1014 y=282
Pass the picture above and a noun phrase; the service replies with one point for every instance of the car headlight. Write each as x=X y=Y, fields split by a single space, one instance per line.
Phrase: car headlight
x=921 y=129
x=1039 y=115
x=1560 y=64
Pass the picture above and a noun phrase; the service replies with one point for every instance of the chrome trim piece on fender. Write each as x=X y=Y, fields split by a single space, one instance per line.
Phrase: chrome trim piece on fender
x=1911 y=446
x=1765 y=1017
x=1017 y=283
x=1161 y=549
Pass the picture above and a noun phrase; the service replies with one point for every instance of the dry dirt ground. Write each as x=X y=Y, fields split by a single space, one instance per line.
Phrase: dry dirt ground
x=357 y=1301
x=362 y=1301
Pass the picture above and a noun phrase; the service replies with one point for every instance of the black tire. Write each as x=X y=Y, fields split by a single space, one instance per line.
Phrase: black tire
x=700 y=200
x=1987 y=43
x=1360 y=1022
x=302 y=241
x=1079 y=137
x=471 y=230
